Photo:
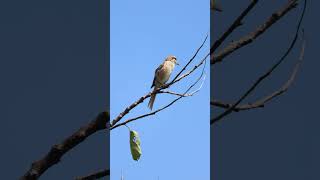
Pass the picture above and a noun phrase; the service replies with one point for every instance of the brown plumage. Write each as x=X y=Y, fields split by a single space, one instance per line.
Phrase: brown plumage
x=162 y=75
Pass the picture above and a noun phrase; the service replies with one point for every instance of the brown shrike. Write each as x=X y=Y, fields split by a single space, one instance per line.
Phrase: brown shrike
x=162 y=75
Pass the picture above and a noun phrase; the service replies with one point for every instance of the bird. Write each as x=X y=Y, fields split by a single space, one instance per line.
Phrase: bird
x=161 y=76
x=215 y=6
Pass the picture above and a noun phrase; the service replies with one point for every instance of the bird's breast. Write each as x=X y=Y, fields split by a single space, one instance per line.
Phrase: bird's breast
x=165 y=72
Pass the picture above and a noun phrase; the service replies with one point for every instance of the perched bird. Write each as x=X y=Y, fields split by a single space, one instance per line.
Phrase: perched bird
x=214 y=6
x=162 y=75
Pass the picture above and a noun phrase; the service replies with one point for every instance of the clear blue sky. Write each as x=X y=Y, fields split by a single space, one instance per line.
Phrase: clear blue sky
x=175 y=142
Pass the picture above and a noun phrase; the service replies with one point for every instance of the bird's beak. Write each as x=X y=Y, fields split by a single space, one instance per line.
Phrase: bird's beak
x=177 y=63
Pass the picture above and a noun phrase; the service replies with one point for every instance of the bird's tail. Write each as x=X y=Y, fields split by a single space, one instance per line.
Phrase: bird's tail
x=152 y=98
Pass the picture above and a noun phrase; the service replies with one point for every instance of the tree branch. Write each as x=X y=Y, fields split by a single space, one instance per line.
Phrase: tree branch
x=168 y=105
x=232 y=47
x=267 y=74
x=249 y=91
x=234 y=25
x=261 y=103
x=57 y=151
x=101 y=122
x=95 y=175
x=183 y=95
x=176 y=79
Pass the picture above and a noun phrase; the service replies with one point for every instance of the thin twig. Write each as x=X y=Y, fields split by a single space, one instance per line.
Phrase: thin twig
x=264 y=76
x=195 y=54
x=168 y=105
x=234 y=25
x=232 y=47
x=100 y=123
x=184 y=95
x=96 y=175
x=129 y=108
x=175 y=80
x=261 y=103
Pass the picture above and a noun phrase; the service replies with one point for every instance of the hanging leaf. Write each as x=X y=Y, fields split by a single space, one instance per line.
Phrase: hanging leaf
x=135 y=145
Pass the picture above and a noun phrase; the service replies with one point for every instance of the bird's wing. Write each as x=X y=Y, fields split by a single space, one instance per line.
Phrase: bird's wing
x=155 y=75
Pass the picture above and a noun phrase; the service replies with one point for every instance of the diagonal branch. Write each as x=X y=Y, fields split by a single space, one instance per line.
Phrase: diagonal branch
x=264 y=76
x=234 y=25
x=57 y=151
x=184 y=95
x=176 y=79
x=261 y=103
x=128 y=109
x=232 y=47
x=173 y=81
x=96 y=175
x=168 y=105
x=101 y=122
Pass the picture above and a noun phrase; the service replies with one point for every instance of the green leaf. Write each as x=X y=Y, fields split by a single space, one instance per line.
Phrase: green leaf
x=135 y=145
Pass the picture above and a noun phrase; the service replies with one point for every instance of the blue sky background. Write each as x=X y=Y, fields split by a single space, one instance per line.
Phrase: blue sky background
x=175 y=142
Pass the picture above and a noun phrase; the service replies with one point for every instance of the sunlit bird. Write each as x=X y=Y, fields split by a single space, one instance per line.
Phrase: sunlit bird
x=162 y=75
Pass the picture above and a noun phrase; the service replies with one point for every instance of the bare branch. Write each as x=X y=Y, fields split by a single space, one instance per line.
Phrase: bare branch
x=184 y=95
x=177 y=94
x=168 y=105
x=192 y=70
x=129 y=108
x=235 y=24
x=175 y=80
x=232 y=47
x=264 y=76
x=218 y=43
x=261 y=103
x=238 y=108
x=57 y=151
x=96 y=175
x=101 y=122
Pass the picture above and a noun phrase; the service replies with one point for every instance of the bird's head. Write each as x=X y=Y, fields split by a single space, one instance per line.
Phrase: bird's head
x=172 y=59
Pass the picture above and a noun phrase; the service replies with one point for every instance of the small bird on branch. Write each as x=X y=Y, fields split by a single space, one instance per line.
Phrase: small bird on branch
x=162 y=75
